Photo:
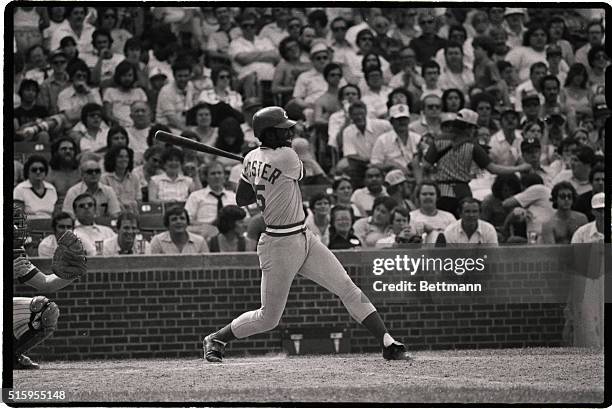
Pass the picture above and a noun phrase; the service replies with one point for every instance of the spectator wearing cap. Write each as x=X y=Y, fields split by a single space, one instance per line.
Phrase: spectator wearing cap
x=597 y=178
x=253 y=57
x=396 y=148
x=92 y=129
x=176 y=97
x=531 y=106
x=514 y=26
x=363 y=198
x=429 y=120
x=586 y=300
x=340 y=119
x=556 y=65
x=276 y=30
x=455 y=73
x=470 y=229
x=598 y=62
x=399 y=188
x=74 y=97
x=126 y=240
x=531 y=150
x=595 y=37
x=506 y=143
x=358 y=138
x=77 y=28
x=55 y=83
x=581 y=162
x=533 y=50
x=428 y=43
x=453 y=153
x=311 y=84
x=218 y=44
x=106 y=202
x=376 y=92
x=556 y=32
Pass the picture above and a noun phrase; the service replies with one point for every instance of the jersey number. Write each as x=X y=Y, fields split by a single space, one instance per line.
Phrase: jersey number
x=261 y=200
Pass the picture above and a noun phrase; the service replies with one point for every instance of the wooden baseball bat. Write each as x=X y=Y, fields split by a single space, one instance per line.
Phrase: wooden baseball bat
x=183 y=142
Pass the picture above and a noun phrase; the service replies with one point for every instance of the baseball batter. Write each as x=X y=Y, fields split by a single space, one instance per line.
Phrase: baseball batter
x=270 y=178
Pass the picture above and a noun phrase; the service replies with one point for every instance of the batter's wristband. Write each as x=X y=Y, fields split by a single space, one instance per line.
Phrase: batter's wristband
x=28 y=276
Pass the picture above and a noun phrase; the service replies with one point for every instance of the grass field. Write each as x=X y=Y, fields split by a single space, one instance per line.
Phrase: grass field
x=538 y=375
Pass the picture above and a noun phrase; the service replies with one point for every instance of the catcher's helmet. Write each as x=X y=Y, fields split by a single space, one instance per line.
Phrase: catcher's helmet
x=270 y=117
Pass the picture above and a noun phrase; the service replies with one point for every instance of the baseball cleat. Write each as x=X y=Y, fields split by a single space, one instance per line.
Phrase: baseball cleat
x=214 y=350
x=396 y=352
x=23 y=362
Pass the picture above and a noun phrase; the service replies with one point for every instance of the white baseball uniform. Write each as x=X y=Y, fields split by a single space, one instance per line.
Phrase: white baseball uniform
x=287 y=247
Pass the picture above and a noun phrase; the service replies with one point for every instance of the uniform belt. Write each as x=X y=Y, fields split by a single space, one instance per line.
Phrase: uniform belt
x=286 y=230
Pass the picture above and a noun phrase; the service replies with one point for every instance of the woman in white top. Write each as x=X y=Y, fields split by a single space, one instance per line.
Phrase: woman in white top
x=318 y=219
x=171 y=185
x=221 y=78
x=119 y=98
x=38 y=195
x=206 y=133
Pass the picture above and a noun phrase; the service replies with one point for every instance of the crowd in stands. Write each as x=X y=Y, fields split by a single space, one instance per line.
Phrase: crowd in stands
x=415 y=125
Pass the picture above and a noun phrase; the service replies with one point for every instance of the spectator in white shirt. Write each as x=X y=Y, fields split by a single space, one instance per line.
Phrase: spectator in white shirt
x=140 y=114
x=535 y=199
x=396 y=148
x=428 y=219
x=176 y=97
x=38 y=195
x=84 y=208
x=533 y=50
x=102 y=61
x=458 y=34
x=513 y=24
x=431 y=78
x=277 y=30
x=364 y=197
x=171 y=185
x=203 y=205
x=92 y=129
x=582 y=159
x=376 y=93
x=456 y=73
x=73 y=98
x=119 y=97
x=506 y=143
x=60 y=223
x=341 y=119
x=537 y=71
x=177 y=240
x=76 y=27
x=470 y=228
x=126 y=242
x=253 y=57
x=221 y=92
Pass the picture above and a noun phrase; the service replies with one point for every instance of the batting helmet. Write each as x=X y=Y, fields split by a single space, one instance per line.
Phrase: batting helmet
x=270 y=117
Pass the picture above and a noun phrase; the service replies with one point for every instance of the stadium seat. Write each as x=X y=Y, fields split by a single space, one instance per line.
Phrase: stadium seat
x=151 y=218
x=42 y=226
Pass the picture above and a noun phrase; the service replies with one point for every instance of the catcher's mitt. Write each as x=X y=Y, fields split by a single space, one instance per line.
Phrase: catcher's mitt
x=69 y=261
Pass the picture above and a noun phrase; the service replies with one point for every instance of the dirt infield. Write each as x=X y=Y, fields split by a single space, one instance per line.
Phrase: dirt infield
x=538 y=375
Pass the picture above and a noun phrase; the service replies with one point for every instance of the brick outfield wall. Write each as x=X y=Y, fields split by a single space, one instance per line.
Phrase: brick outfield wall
x=140 y=307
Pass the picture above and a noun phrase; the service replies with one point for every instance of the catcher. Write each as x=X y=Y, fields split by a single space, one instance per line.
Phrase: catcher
x=35 y=319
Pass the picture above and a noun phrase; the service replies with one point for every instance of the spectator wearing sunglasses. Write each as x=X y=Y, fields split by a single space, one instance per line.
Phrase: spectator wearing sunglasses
x=57 y=81
x=84 y=208
x=427 y=44
x=38 y=195
x=105 y=199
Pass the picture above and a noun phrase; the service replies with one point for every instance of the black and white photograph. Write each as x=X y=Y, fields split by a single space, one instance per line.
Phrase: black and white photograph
x=288 y=204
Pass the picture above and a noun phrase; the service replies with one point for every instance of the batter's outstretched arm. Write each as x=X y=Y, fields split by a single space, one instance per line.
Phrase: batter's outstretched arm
x=245 y=195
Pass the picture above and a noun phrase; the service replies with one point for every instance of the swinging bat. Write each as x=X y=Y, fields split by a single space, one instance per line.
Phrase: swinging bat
x=183 y=142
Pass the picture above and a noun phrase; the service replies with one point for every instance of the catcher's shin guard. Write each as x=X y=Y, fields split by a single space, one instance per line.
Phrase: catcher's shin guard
x=34 y=320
